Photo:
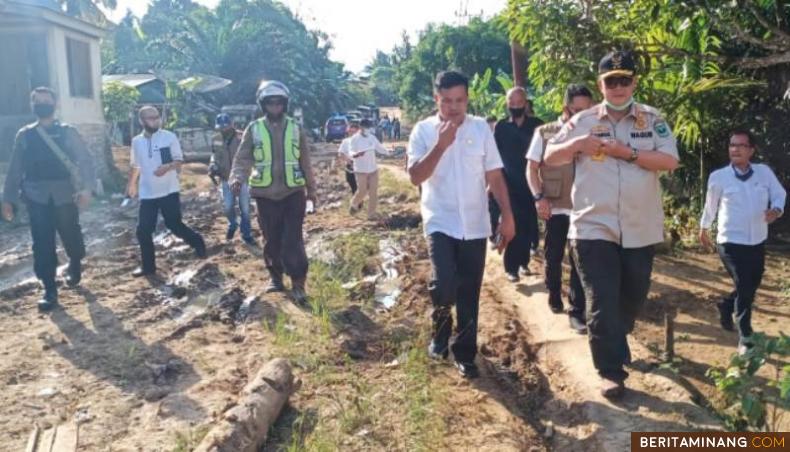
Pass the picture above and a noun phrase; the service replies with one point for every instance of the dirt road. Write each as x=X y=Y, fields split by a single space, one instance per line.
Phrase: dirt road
x=145 y=365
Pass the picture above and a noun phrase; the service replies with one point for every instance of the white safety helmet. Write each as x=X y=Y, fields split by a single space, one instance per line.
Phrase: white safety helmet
x=271 y=88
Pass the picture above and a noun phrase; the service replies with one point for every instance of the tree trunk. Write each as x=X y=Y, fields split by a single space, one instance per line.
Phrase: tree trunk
x=244 y=427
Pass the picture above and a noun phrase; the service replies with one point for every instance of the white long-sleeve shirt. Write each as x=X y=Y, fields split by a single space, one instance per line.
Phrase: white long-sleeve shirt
x=739 y=206
x=367 y=145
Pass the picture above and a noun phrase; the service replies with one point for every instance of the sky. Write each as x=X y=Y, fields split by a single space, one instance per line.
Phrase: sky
x=357 y=28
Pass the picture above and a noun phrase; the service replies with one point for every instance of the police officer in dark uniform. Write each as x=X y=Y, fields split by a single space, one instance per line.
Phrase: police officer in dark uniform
x=52 y=172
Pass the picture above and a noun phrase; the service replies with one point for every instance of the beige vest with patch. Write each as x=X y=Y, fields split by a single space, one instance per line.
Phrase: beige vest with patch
x=557 y=180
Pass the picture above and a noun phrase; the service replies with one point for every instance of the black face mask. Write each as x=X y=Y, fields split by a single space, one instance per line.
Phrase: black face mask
x=150 y=130
x=517 y=112
x=44 y=110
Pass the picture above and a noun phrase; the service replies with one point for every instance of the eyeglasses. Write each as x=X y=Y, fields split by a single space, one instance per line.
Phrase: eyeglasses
x=614 y=82
x=740 y=145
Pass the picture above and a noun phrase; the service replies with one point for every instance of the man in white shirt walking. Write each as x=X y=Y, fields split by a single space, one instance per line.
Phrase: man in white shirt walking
x=361 y=149
x=453 y=157
x=156 y=159
x=744 y=198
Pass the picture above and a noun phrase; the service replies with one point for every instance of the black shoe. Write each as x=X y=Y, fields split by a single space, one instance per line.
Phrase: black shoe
x=467 y=370
x=577 y=325
x=725 y=317
x=513 y=277
x=74 y=274
x=229 y=235
x=438 y=352
x=140 y=272
x=555 y=303
x=612 y=389
x=49 y=301
x=525 y=271
x=275 y=286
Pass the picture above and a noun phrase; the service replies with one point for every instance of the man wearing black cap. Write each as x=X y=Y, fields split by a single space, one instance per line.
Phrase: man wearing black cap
x=618 y=147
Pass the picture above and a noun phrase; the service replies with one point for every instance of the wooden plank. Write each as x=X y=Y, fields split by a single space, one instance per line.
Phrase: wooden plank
x=66 y=438
x=32 y=442
x=47 y=438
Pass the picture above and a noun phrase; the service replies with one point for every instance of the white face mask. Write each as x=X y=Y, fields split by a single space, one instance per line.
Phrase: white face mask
x=623 y=107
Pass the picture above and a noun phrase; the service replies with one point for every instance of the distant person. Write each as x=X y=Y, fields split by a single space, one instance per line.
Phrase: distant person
x=551 y=189
x=513 y=136
x=156 y=160
x=396 y=129
x=453 y=157
x=744 y=198
x=346 y=161
x=274 y=158
x=618 y=148
x=51 y=171
x=361 y=149
x=384 y=127
x=223 y=150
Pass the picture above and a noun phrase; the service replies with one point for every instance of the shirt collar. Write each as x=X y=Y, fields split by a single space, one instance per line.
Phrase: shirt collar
x=739 y=171
x=604 y=113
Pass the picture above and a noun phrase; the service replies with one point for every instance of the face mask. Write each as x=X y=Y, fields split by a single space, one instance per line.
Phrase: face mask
x=623 y=107
x=517 y=112
x=43 y=110
x=150 y=130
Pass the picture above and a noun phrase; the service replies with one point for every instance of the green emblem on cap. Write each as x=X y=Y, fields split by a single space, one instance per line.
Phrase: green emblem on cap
x=661 y=128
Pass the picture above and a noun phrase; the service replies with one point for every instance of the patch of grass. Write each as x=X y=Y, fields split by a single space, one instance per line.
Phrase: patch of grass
x=391 y=185
x=189 y=440
x=285 y=334
x=423 y=398
x=357 y=255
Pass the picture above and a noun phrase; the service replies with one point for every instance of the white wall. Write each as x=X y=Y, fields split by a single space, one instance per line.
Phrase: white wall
x=75 y=110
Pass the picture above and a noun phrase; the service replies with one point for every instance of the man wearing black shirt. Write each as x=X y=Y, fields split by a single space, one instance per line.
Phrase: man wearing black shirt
x=513 y=136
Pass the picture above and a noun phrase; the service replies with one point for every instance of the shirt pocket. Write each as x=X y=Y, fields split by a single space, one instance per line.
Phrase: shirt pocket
x=761 y=198
x=473 y=156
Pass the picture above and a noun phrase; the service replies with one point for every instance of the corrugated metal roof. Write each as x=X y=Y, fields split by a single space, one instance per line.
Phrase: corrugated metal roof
x=133 y=80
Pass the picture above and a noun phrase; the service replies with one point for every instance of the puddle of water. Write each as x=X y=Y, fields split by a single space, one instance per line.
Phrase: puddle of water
x=198 y=305
x=388 y=282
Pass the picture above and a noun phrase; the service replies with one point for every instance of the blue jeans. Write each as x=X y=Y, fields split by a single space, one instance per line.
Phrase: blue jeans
x=229 y=207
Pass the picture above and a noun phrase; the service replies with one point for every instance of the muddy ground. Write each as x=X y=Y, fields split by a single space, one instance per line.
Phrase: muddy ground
x=146 y=364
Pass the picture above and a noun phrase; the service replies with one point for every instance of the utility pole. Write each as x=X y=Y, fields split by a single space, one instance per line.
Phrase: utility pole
x=518 y=59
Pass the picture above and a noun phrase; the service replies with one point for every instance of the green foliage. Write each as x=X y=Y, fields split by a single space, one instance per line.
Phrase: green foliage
x=747 y=403
x=473 y=48
x=244 y=41
x=119 y=101
x=485 y=102
x=708 y=66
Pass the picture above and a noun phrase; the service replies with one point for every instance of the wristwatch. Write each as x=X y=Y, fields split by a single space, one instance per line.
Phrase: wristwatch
x=634 y=155
x=538 y=196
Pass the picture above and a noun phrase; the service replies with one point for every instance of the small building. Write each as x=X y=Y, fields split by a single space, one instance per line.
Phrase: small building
x=152 y=91
x=42 y=46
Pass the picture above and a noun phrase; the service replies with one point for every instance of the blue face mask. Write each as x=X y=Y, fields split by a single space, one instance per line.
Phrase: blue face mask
x=623 y=107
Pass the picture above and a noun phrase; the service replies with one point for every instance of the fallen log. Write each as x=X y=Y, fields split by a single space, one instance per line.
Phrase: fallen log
x=244 y=427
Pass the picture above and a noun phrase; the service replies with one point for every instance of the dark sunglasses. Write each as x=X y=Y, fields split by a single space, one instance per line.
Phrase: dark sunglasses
x=274 y=101
x=614 y=82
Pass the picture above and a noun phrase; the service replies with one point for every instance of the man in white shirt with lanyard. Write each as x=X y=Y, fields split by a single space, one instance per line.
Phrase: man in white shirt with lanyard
x=156 y=159
x=744 y=198
x=453 y=157
x=361 y=149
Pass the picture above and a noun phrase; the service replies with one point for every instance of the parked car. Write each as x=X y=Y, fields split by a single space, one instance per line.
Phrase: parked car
x=336 y=128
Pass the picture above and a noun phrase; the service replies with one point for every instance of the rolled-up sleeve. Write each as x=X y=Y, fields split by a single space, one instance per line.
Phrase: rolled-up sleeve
x=664 y=138
x=778 y=194
x=242 y=162
x=175 y=149
x=417 y=146
x=13 y=179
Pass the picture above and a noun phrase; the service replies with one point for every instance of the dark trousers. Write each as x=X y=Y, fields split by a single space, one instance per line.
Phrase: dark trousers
x=745 y=264
x=45 y=221
x=517 y=253
x=170 y=208
x=351 y=178
x=281 y=225
x=554 y=251
x=458 y=267
x=616 y=281
x=494 y=214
